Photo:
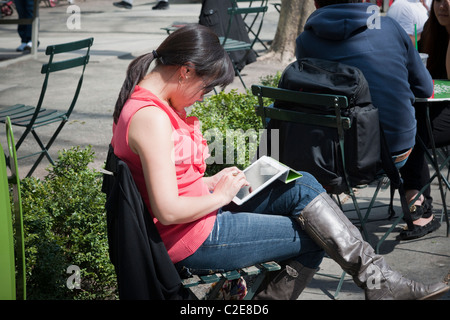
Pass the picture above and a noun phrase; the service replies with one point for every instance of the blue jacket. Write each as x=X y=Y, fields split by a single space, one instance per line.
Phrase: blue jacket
x=383 y=52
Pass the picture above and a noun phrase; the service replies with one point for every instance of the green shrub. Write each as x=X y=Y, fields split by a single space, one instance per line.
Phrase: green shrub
x=65 y=225
x=228 y=123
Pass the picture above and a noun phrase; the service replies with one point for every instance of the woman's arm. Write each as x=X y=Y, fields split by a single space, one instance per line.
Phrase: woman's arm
x=150 y=136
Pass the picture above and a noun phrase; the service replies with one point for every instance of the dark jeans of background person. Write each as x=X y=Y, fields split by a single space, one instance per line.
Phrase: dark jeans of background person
x=415 y=172
x=25 y=11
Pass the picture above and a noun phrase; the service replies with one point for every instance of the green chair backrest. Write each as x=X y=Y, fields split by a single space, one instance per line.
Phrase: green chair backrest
x=55 y=66
x=12 y=247
x=335 y=101
x=7 y=264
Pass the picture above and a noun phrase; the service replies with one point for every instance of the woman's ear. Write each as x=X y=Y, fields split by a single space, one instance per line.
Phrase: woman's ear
x=186 y=72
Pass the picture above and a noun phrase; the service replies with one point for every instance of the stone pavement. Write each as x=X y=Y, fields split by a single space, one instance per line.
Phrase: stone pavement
x=119 y=36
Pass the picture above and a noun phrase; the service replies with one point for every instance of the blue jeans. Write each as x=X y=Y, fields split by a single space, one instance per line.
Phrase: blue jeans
x=260 y=230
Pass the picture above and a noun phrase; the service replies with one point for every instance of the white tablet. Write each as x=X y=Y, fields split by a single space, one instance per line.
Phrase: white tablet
x=259 y=174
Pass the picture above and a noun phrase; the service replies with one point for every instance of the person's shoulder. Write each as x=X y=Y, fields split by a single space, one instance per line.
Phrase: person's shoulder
x=151 y=113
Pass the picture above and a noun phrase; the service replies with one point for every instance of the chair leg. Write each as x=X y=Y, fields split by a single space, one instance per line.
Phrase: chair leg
x=22 y=137
x=240 y=78
x=44 y=149
x=358 y=212
x=441 y=190
x=236 y=70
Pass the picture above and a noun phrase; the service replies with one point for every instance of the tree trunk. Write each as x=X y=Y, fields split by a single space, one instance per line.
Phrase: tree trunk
x=293 y=16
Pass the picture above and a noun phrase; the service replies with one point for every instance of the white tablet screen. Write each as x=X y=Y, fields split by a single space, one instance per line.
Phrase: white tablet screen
x=259 y=175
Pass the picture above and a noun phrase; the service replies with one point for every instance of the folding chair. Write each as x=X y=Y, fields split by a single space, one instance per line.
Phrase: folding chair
x=254 y=27
x=12 y=251
x=390 y=175
x=251 y=21
x=32 y=117
x=336 y=121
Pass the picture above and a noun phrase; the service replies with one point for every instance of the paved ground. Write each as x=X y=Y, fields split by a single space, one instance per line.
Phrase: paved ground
x=120 y=35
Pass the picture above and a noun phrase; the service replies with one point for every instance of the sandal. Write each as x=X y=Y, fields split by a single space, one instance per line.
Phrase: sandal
x=419 y=231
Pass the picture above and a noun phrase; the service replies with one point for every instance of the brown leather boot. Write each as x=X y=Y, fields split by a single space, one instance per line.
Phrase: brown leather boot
x=286 y=284
x=324 y=221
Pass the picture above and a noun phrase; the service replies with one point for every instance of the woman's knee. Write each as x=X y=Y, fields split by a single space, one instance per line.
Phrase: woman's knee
x=306 y=188
x=308 y=181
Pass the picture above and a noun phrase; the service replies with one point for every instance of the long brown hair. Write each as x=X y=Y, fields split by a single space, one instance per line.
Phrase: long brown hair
x=195 y=44
x=434 y=41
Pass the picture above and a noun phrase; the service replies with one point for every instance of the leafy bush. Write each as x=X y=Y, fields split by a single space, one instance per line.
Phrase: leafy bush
x=231 y=126
x=65 y=225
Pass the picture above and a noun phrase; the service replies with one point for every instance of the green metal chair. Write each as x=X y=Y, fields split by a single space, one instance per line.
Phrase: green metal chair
x=253 y=18
x=256 y=14
x=7 y=264
x=336 y=121
x=12 y=249
x=32 y=117
x=251 y=21
x=340 y=123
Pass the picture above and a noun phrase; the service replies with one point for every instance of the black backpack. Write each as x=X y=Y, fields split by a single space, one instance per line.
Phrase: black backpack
x=316 y=149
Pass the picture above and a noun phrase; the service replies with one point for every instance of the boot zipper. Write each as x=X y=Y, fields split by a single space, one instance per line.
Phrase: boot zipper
x=313 y=232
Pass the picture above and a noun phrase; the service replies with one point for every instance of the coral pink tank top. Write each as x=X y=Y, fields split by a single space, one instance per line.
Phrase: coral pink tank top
x=191 y=150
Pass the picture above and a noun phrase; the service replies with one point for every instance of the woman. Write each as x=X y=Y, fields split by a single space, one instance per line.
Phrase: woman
x=415 y=173
x=166 y=155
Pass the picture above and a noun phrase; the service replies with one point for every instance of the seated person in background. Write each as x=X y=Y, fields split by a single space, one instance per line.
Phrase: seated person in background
x=411 y=15
x=166 y=152
x=415 y=173
x=343 y=31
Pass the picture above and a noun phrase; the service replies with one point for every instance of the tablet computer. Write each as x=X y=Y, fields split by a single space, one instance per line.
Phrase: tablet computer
x=259 y=174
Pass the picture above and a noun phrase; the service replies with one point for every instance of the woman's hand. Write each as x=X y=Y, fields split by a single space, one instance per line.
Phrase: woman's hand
x=211 y=182
x=229 y=182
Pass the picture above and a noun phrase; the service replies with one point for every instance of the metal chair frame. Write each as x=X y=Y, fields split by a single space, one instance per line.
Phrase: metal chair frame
x=12 y=261
x=254 y=27
x=432 y=154
x=337 y=121
x=32 y=117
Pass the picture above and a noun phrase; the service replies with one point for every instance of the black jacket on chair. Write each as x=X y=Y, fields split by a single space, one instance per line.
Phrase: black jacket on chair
x=143 y=266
